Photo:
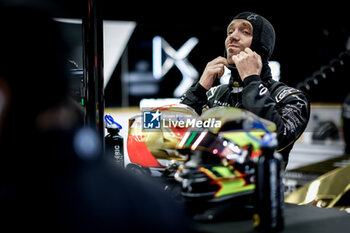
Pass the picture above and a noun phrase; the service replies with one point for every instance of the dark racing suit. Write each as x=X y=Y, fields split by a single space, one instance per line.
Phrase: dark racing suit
x=287 y=107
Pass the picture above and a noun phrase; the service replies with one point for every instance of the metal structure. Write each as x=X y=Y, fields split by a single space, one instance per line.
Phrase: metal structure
x=93 y=66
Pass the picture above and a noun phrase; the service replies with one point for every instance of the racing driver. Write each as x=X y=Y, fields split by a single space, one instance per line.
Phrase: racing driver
x=248 y=46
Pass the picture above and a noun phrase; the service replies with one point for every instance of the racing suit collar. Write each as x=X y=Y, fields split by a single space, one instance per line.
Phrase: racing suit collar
x=236 y=81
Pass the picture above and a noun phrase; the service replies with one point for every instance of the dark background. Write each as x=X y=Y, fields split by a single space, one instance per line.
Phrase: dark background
x=308 y=36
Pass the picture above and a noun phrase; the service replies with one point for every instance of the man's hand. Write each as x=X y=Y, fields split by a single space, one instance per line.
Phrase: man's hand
x=247 y=63
x=214 y=69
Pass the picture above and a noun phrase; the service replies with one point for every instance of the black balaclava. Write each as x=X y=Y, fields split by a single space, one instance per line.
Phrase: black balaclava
x=263 y=40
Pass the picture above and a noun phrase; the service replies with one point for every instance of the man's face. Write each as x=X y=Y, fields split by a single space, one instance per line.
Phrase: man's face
x=239 y=37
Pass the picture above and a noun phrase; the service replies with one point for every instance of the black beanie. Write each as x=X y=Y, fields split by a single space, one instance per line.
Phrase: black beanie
x=263 y=34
